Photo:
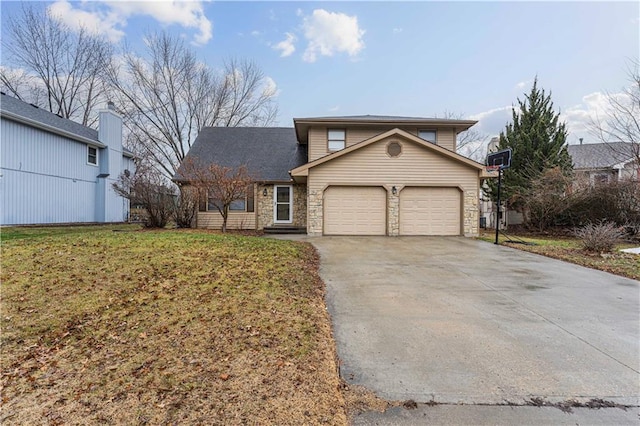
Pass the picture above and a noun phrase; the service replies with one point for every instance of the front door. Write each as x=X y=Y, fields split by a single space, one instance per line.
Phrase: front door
x=282 y=204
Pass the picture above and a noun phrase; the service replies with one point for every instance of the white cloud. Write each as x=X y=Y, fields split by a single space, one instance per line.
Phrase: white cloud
x=397 y=30
x=270 y=87
x=493 y=121
x=524 y=84
x=286 y=46
x=578 y=118
x=334 y=108
x=328 y=33
x=256 y=33
x=96 y=22
x=109 y=17
x=594 y=106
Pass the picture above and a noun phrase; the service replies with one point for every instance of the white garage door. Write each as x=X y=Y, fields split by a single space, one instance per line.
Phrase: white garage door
x=430 y=211
x=350 y=210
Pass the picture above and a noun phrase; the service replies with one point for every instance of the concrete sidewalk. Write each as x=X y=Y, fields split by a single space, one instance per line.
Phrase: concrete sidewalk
x=479 y=415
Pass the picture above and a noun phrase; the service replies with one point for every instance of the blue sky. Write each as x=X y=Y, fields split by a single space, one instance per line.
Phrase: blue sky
x=392 y=58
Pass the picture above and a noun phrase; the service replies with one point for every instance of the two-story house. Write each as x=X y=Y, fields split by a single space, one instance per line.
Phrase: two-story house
x=354 y=175
x=54 y=170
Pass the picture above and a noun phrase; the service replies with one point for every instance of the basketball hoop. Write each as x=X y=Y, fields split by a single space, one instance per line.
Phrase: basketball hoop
x=498 y=161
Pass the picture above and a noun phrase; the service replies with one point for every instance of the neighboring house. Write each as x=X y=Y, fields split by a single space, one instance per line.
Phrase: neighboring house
x=595 y=163
x=358 y=175
x=605 y=162
x=54 y=170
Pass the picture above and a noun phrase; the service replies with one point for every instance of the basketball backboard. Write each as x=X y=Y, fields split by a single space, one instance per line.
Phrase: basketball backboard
x=500 y=158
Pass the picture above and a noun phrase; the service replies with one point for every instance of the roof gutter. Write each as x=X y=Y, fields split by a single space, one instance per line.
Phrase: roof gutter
x=50 y=129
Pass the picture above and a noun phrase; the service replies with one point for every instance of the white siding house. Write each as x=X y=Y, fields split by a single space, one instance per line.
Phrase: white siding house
x=53 y=170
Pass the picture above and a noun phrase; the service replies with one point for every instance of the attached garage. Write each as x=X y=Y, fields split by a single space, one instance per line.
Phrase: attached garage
x=355 y=210
x=430 y=211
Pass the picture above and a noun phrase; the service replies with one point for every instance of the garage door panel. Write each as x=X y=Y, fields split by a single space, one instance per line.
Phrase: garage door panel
x=430 y=211
x=352 y=210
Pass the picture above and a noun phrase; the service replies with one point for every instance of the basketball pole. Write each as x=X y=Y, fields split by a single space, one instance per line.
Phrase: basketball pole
x=498 y=212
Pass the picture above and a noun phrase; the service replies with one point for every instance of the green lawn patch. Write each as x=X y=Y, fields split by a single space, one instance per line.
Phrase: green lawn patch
x=155 y=327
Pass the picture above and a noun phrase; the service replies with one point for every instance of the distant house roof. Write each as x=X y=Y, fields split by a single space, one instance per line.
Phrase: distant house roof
x=302 y=124
x=600 y=155
x=268 y=152
x=17 y=110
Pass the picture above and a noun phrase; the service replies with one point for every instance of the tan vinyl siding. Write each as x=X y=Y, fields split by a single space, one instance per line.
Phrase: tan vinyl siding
x=318 y=137
x=236 y=220
x=416 y=166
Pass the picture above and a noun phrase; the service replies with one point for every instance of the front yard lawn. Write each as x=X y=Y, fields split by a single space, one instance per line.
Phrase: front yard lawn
x=158 y=327
x=569 y=250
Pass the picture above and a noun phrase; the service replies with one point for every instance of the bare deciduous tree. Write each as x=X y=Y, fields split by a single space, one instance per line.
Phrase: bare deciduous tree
x=167 y=96
x=147 y=186
x=471 y=143
x=217 y=185
x=622 y=120
x=54 y=67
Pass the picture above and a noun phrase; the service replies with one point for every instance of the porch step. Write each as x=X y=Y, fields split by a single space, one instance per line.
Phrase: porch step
x=284 y=230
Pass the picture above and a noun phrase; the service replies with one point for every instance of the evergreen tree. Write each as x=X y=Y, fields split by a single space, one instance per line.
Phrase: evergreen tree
x=538 y=142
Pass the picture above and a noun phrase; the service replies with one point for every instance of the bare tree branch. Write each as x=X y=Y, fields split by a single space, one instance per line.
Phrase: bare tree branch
x=167 y=96
x=220 y=185
x=622 y=120
x=64 y=67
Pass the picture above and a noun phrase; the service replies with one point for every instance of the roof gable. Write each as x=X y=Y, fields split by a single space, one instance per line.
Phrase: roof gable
x=304 y=169
x=268 y=152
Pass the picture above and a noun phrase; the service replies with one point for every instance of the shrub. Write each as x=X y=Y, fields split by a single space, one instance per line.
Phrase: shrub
x=617 y=201
x=599 y=237
x=547 y=199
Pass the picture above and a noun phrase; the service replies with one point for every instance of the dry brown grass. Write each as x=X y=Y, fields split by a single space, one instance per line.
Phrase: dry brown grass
x=164 y=327
x=570 y=249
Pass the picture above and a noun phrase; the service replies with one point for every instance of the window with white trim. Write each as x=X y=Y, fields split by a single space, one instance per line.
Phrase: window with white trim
x=336 y=139
x=428 y=135
x=92 y=155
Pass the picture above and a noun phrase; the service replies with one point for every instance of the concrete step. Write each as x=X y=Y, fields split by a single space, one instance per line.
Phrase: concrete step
x=284 y=230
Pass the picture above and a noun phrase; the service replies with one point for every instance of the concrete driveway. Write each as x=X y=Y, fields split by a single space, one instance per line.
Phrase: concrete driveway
x=460 y=321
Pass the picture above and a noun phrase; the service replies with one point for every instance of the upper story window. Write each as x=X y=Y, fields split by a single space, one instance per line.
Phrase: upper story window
x=92 y=155
x=336 y=138
x=428 y=135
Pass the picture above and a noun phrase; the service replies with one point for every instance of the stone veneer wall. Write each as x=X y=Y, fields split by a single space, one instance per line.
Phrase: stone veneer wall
x=314 y=212
x=470 y=218
x=393 y=213
x=300 y=206
x=264 y=204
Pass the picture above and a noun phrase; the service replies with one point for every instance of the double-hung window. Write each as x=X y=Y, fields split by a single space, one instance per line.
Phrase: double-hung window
x=92 y=155
x=428 y=135
x=336 y=138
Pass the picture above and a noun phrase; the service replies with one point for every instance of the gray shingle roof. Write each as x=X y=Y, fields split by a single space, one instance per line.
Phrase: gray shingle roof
x=379 y=118
x=600 y=155
x=268 y=152
x=28 y=111
x=15 y=106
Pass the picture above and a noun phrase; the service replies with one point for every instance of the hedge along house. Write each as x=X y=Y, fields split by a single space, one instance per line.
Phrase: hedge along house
x=357 y=175
x=54 y=170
